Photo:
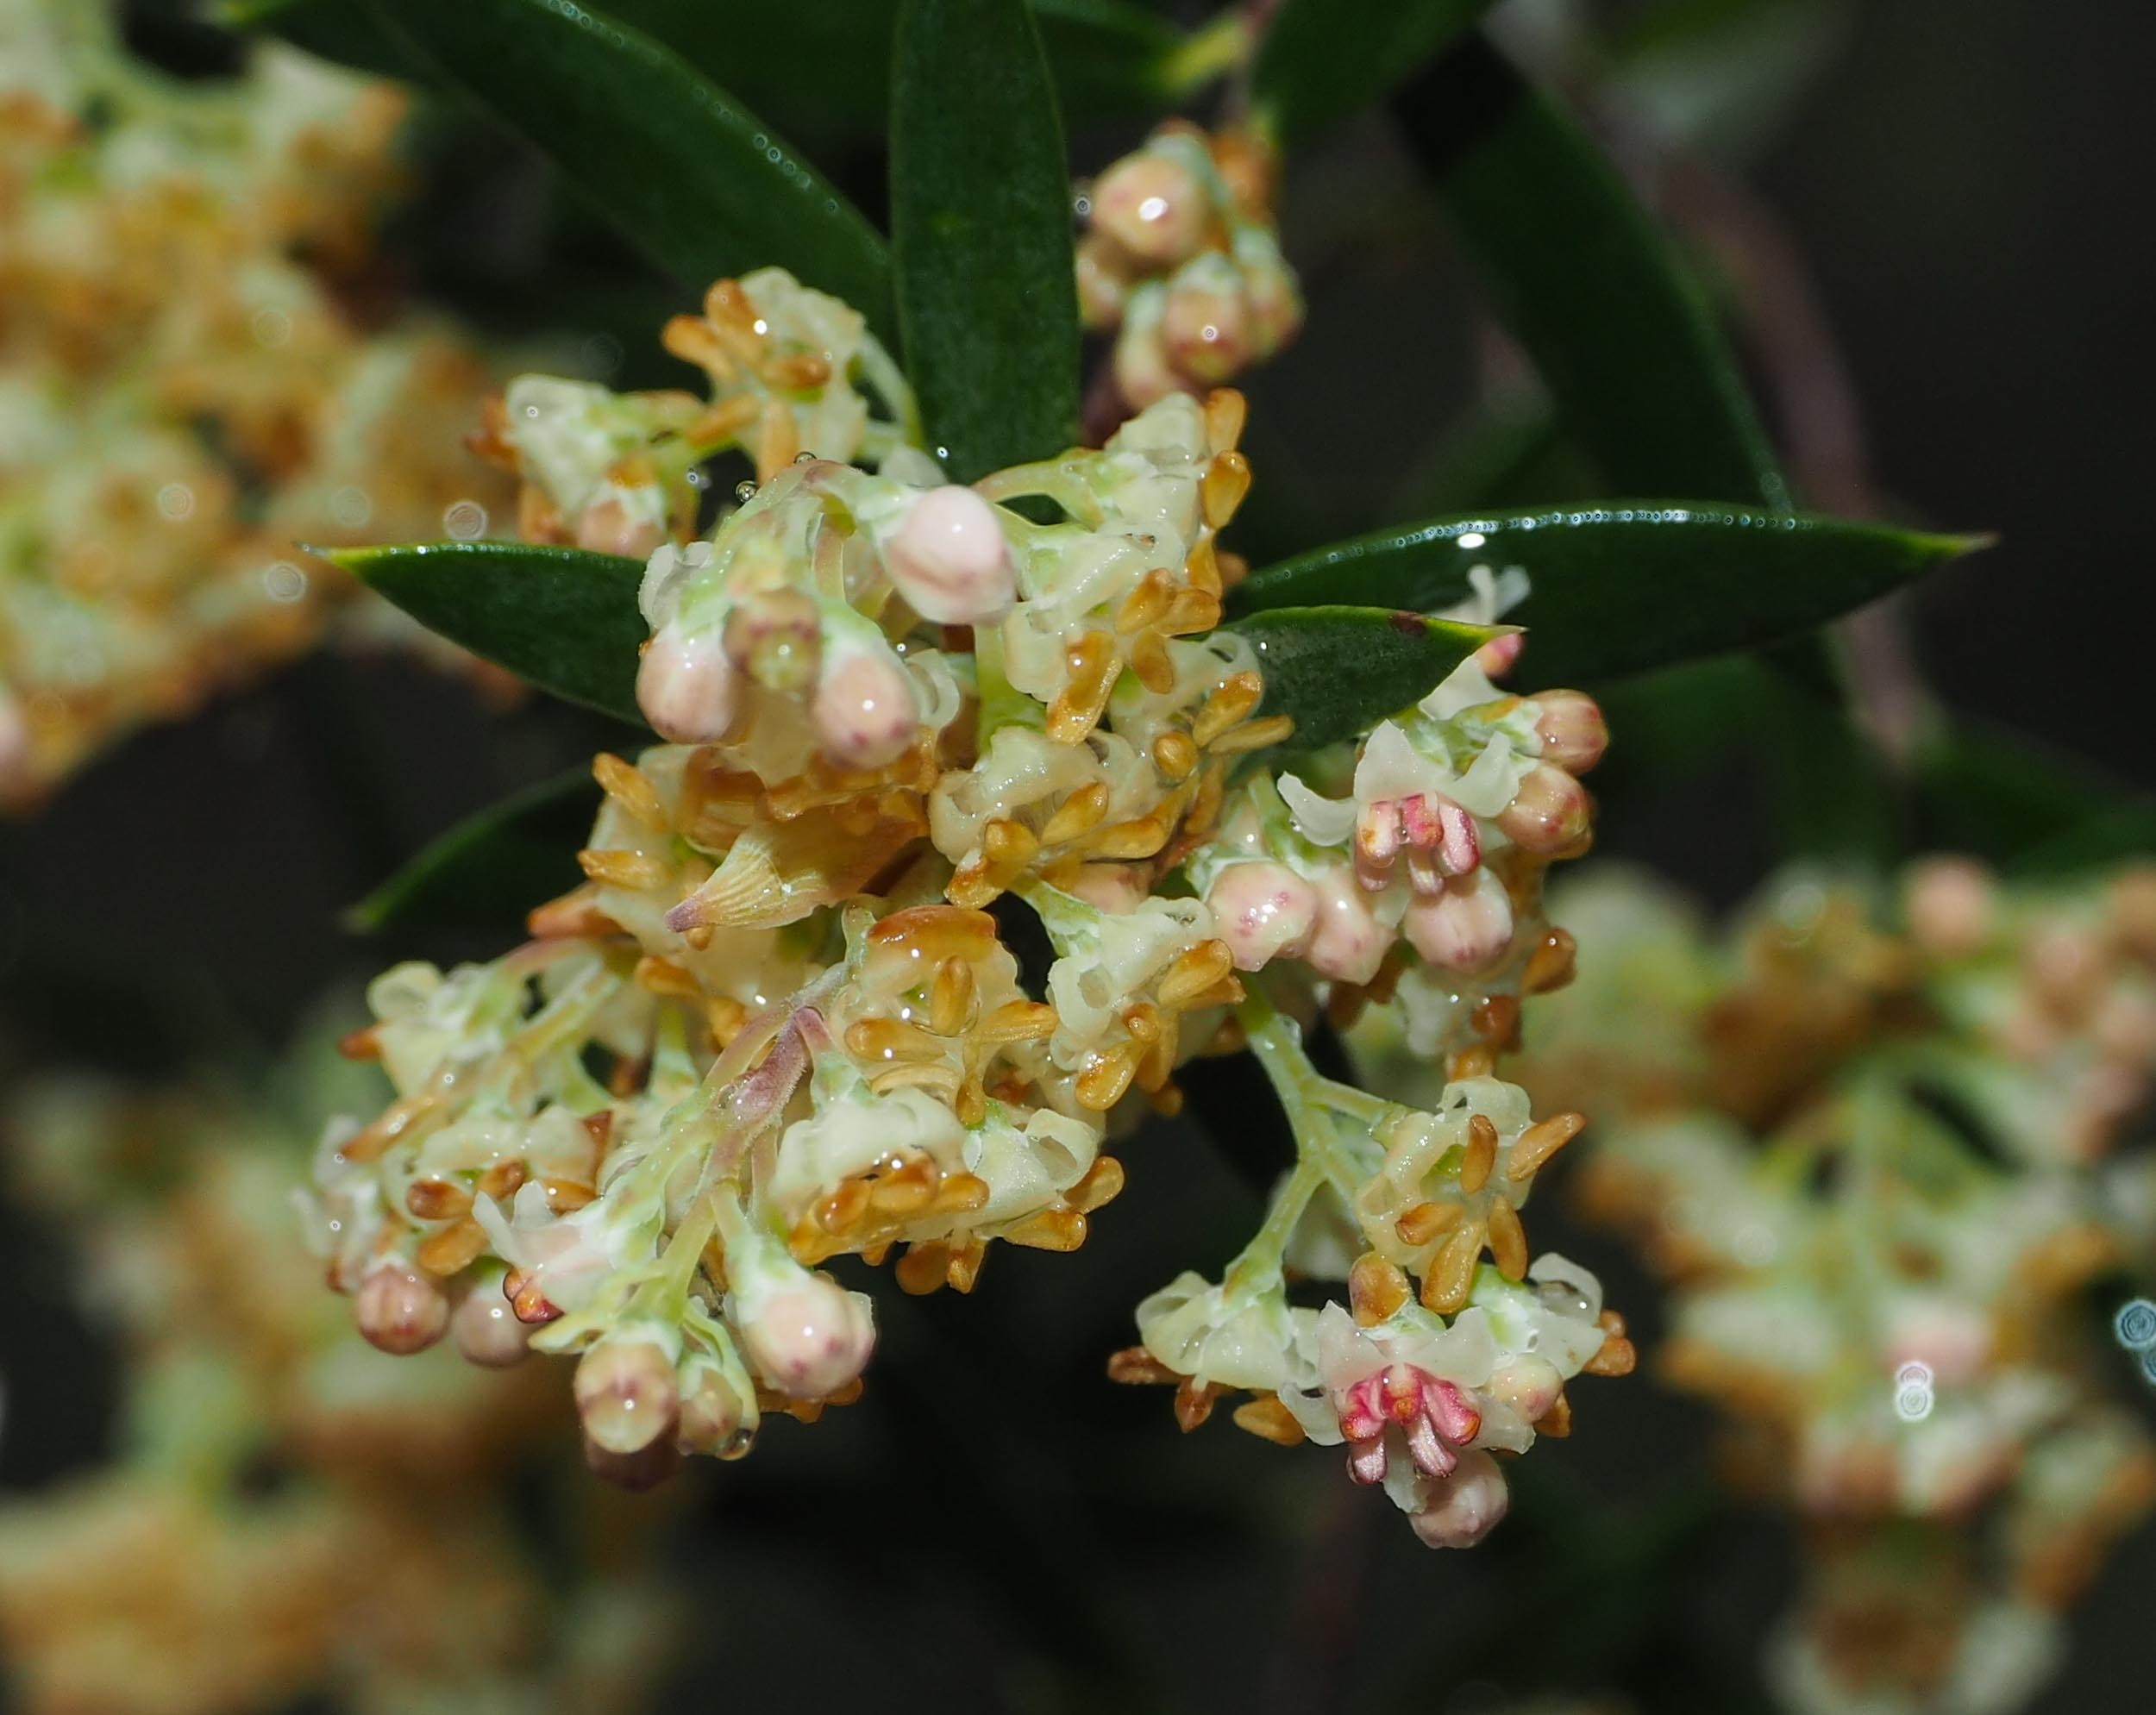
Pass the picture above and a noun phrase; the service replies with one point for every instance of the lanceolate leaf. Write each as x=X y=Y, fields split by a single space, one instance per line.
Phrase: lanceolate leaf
x=1621 y=335
x=1340 y=670
x=564 y=619
x=1621 y=586
x=1322 y=61
x=829 y=68
x=493 y=866
x=982 y=230
x=697 y=181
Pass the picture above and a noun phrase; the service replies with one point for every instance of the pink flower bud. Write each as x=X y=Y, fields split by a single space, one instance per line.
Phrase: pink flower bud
x=1350 y=943
x=1548 y=815
x=400 y=1309
x=1466 y=928
x=1529 y=1385
x=1152 y=208
x=949 y=560
x=1570 y=726
x=625 y=1395
x=1501 y=654
x=1143 y=374
x=1262 y=910
x=609 y=525
x=1274 y=305
x=712 y=1421
x=685 y=687
x=1467 y=1504
x=1116 y=888
x=810 y=1340
x=487 y=1329
x=1950 y=904
x=1206 y=332
x=865 y=712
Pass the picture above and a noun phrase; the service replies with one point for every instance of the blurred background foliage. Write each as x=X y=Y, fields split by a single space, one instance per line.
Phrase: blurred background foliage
x=1921 y=219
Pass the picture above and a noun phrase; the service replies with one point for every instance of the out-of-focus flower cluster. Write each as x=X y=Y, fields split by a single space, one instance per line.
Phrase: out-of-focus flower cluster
x=1179 y=257
x=780 y=1023
x=183 y=394
x=1871 y=1139
x=287 y=1513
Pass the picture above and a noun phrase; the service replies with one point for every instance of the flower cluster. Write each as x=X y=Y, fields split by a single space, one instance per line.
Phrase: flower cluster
x=623 y=472
x=1871 y=1142
x=1180 y=259
x=183 y=395
x=778 y=1023
x=289 y=1516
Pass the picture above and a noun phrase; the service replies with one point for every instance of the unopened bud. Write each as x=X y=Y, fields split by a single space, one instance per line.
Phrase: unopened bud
x=1548 y=814
x=631 y=523
x=1143 y=373
x=685 y=687
x=400 y=1309
x=1529 y=1385
x=1101 y=288
x=625 y=1395
x=949 y=560
x=1207 y=329
x=1152 y=208
x=1466 y=1506
x=713 y=1423
x=1574 y=734
x=1465 y=928
x=810 y=1339
x=487 y=1329
x=1262 y=910
x=1350 y=943
x=1116 y=888
x=865 y=711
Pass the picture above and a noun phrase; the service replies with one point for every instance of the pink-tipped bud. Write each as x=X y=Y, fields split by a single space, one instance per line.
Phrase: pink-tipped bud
x=685 y=687
x=713 y=1423
x=487 y=1329
x=810 y=1340
x=1152 y=208
x=949 y=560
x=1118 y=889
x=1262 y=910
x=1548 y=815
x=1467 y=1504
x=1950 y=904
x=1350 y=943
x=400 y=1309
x=1275 y=306
x=865 y=711
x=1574 y=734
x=1143 y=374
x=1466 y=928
x=1501 y=654
x=1206 y=331
x=612 y=525
x=626 y=1395
x=1529 y=1385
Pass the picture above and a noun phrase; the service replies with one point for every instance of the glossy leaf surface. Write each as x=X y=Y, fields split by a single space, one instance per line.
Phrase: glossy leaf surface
x=1340 y=670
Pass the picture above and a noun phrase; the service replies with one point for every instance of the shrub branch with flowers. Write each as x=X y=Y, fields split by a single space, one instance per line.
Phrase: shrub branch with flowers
x=970 y=801
x=780 y=1020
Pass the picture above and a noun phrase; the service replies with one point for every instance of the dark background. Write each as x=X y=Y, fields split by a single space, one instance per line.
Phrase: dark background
x=1966 y=183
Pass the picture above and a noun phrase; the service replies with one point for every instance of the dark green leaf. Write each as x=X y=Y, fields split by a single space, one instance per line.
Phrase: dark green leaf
x=1621 y=586
x=1592 y=290
x=488 y=870
x=564 y=619
x=828 y=70
x=691 y=176
x=1322 y=61
x=1341 y=670
x=981 y=231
